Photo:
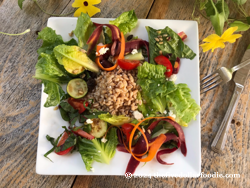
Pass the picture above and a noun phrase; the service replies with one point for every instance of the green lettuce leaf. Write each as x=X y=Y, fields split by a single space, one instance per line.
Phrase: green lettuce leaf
x=55 y=93
x=95 y=150
x=68 y=55
x=48 y=69
x=174 y=46
x=150 y=71
x=114 y=120
x=126 y=21
x=84 y=28
x=51 y=40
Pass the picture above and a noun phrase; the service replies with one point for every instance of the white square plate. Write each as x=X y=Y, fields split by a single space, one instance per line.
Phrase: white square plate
x=71 y=164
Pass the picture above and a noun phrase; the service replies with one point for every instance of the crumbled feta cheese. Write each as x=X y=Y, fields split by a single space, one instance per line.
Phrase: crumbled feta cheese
x=158 y=85
x=134 y=51
x=165 y=112
x=89 y=121
x=147 y=114
x=138 y=115
x=103 y=50
x=104 y=140
x=93 y=113
x=172 y=114
x=96 y=53
x=92 y=169
x=143 y=129
x=173 y=77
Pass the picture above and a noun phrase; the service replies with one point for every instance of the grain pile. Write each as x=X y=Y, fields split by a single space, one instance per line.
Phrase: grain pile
x=116 y=92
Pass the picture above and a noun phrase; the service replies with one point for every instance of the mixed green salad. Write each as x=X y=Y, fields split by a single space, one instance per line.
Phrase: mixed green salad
x=155 y=128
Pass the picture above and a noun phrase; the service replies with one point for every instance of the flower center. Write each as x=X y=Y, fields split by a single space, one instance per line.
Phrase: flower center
x=85 y=3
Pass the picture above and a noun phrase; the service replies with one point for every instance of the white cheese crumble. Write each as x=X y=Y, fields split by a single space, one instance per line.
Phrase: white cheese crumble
x=138 y=115
x=92 y=169
x=89 y=121
x=134 y=51
x=165 y=112
x=173 y=77
x=104 y=140
x=158 y=85
x=103 y=50
x=172 y=114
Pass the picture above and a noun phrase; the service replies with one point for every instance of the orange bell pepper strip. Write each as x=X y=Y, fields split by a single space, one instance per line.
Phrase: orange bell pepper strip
x=120 y=56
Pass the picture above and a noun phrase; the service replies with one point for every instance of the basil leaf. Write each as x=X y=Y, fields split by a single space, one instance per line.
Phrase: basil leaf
x=71 y=141
x=67 y=107
x=64 y=114
x=73 y=117
x=54 y=143
x=241 y=26
x=20 y=3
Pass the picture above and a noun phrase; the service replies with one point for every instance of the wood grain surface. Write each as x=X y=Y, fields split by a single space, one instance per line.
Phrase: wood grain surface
x=20 y=99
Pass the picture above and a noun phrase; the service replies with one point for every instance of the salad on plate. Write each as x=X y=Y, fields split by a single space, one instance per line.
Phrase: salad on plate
x=116 y=91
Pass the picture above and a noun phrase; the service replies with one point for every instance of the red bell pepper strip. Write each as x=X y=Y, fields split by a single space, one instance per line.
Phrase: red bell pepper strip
x=83 y=134
x=61 y=142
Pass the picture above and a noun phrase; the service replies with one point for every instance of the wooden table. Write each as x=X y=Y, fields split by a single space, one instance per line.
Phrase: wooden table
x=20 y=99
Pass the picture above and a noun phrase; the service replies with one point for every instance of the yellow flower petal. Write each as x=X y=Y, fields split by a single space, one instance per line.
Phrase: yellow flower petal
x=232 y=38
x=79 y=11
x=77 y=3
x=92 y=10
x=228 y=32
x=218 y=44
x=211 y=38
x=206 y=47
x=94 y=2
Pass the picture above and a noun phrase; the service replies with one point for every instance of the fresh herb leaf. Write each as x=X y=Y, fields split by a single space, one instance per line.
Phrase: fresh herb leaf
x=51 y=40
x=54 y=144
x=64 y=114
x=241 y=26
x=67 y=107
x=84 y=28
x=20 y=3
x=69 y=142
x=126 y=21
x=73 y=117
x=91 y=150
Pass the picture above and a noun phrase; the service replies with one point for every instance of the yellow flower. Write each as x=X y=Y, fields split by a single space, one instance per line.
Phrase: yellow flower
x=86 y=6
x=214 y=41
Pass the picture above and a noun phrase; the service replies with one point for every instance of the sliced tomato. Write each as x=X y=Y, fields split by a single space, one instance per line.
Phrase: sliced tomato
x=128 y=64
x=162 y=60
x=84 y=134
x=126 y=129
x=78 y=104
x=61 y=142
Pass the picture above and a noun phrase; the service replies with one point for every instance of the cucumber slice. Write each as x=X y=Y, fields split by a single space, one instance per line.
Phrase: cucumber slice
x=137 y=56
x=98 y=128
x=77 y=88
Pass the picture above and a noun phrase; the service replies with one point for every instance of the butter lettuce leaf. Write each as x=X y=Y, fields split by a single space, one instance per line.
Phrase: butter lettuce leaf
x=95 y=150
x=114 y=120
x=174 y=45
x=84 y=28
x=126 y=21
x=51 y=40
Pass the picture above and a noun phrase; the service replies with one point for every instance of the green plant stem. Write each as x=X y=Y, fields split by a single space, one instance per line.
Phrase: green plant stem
x=26 y=31
x=243 y=10
x=50 y=13
x=203 y=15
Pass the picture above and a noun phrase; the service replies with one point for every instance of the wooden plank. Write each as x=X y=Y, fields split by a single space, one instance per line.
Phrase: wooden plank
x=20 y=93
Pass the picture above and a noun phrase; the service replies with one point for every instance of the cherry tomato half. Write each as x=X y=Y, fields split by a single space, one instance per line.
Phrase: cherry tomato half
x=128 y=64
x=61 y=142
x=162 y=60
x=126 y=129
x=78 y=104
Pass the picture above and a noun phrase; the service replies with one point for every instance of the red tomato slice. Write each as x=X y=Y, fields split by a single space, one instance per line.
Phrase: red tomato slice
x=78 y=104
x=162 y=60
x=128 y=64
x=84 y=134
x=61 y=142
x=126 y=129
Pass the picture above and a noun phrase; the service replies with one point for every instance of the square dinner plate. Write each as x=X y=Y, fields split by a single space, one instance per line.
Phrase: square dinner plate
x=71 y=164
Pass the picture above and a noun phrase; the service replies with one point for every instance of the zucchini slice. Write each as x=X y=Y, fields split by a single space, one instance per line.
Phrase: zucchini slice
x=77 y=88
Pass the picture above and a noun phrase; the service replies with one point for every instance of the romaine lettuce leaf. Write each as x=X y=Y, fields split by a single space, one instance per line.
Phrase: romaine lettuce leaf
x=68 y=55
x=126 y=21
x=55 y=93
x=95 y=150
x=51 y=40
x=48 y=69
x=174 y=45
x=84 y=28
x=114 y=120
